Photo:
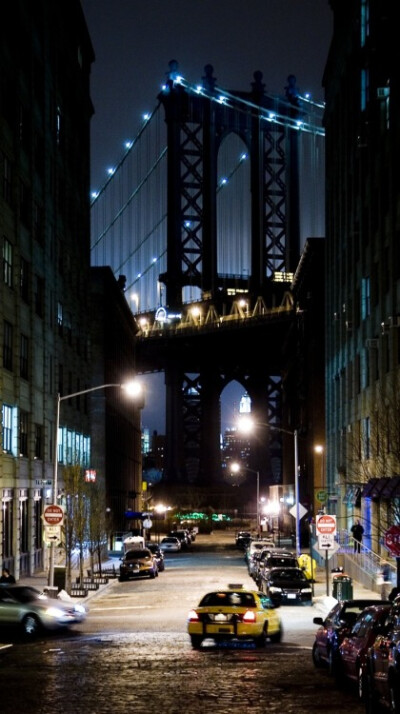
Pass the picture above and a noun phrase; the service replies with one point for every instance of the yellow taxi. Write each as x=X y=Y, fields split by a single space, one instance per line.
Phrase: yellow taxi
x=234 y=614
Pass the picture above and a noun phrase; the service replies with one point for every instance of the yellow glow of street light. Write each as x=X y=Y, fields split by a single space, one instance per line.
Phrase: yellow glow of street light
x=246 y=425
x=319 y=449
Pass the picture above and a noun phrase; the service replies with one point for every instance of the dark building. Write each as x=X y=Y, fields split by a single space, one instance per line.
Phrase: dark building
x=116 y=432
x=45 y=287
x=361 y=83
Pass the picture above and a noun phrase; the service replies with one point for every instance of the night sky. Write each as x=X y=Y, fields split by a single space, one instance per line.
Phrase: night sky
x=134 y=40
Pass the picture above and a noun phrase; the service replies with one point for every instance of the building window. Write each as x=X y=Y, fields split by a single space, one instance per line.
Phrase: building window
x=60 y=317
x=24 y=357
x=24 y=201
x=366 y=437
x=23 y=433
x=7 y=428
x=6 y=179
x=364 y=88
x=38 y=441
x=7 y=263
x=37 y=226
x=38 y=530
x=39 y=295
x=8 y=346
x=364 y=369
x=23 y=519
x=7 y=533
x=24 y=280
x=364 y=24
x=365 y=298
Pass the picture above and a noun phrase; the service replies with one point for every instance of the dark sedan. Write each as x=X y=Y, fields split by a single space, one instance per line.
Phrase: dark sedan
x=334 y=628
x=349 y=666
x=158 y=554
x=287 y=586
x=382 y=666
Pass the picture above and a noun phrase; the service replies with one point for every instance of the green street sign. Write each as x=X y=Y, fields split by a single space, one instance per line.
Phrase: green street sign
x=321 y=496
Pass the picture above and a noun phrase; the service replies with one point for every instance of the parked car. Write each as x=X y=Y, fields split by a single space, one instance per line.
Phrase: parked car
x=269 y=559
x=242 y=539
x=256 y=546
x=183 y=536
x=138 y=563
x=234 y=614
x=333 y=629
x=382 y=666
x=349 y=665
x=170 y=544
x=31 y=611
x=158 y=554
x=287 y=586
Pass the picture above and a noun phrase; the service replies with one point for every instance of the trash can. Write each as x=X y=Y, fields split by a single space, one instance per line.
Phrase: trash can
x=59 y=577
x=342 y=587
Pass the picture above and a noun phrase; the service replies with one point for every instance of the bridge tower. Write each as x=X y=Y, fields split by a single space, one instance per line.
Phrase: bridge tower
x=196 y=373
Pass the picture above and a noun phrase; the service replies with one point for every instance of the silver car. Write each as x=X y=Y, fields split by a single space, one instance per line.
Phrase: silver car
x=32 y=611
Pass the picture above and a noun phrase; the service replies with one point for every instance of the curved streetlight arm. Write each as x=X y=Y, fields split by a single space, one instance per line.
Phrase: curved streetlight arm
x=296 y=475
x=55 y=473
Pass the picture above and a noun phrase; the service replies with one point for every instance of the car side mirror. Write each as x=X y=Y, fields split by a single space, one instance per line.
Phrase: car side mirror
x=318 y=621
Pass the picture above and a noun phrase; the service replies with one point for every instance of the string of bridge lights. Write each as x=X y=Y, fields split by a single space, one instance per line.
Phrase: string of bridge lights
x=221 y=96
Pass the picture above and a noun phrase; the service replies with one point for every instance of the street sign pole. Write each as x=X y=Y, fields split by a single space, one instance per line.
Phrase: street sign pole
x=327 y=572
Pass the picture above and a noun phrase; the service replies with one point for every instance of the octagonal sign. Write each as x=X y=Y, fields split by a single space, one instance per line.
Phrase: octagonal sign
x=392 y=540
x=53 y=515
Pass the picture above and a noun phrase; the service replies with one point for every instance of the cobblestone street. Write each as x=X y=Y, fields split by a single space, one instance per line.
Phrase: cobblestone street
x=150 y=673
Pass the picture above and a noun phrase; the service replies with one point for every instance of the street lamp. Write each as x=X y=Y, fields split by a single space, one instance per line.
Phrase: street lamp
x=235 y=468
x=132 y=389
x=246 y=425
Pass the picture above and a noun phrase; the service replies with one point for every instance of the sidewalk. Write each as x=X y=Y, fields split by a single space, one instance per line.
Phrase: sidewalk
x=322 y=596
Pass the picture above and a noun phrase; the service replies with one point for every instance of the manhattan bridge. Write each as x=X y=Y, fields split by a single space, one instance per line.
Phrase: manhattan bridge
x=202 y=220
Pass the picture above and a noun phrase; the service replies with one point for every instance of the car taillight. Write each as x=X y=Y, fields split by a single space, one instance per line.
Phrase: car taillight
x=249 y=616
x=193 y=616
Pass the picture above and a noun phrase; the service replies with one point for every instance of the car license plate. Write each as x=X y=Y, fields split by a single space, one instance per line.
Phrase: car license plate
x=291 y=596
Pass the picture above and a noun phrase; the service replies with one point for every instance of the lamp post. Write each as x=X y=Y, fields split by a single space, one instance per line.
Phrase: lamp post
x=246 y=424
x=235 y=468
x=133 y=389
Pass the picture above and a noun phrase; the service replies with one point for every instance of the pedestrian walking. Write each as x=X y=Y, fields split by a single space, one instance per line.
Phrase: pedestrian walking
x=357 y=531
x=385 y=579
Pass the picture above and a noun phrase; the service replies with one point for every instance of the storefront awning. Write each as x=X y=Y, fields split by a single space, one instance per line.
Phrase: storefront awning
x=367 y=488
x=379 y=488
x=391 y=488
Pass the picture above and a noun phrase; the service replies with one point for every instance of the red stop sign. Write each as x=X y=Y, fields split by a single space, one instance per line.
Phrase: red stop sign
x=392 y=540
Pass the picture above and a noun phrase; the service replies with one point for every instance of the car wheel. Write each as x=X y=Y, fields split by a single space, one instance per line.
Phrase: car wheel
x=152 y=574
x=30 y=626
x=277 y=637
x=370 y=699
x=196 y=641
x=316 y=658
x=261 y=640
